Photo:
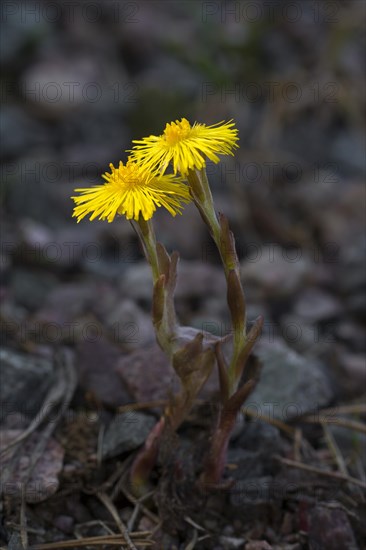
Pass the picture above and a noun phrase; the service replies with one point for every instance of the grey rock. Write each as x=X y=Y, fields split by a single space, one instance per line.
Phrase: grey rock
x=350 y=373
x=195 y=280
x=130 y=326
x=315 y=304
x=331 y=529
x=253 y=455
x=126 y=432
x=352 y=264
x=252 y=491
x=31 y=288
x=137 y=282
x=28 y=135
x=67 y=302
x=246 y=464
x=290 y=385
x=356 y=304
x=147 y=374
x=352 y=334
x=188 y=236
x=96 y=362
x=15 y=542
x=167 y=73
x=50 y=79
x=260 y=436
x=199 y=280
x=43 y=481
x=25 y=380
x=302 y=335
x=348 y=151
x=231 y=543
x=23 y=28
x=351 y=443
x=276 y=272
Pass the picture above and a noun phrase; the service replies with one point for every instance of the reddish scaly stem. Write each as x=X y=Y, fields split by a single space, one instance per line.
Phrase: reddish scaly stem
x=146 y=459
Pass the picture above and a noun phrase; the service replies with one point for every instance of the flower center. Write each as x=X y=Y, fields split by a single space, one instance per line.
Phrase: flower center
x=177 y=131
x=127 y=176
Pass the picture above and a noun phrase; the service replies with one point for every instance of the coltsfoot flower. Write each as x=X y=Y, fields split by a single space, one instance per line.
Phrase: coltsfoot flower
x=131 y=190
x=186 y=146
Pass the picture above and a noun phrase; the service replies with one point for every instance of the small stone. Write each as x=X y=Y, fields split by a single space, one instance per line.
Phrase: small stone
x=290 y=385
x=131 y=327
x=64 y=523
x=30 y=288
x=147 y=374
x=96 y=363
x=43 y=482
x=137 y=282
x=195 y=280
x=28 y=135
x=15 y=542
x=330 y=528
x=350 y=373
x=351 y=443
x=260 y=436
x=315 y=304
x=64 y=316
x=303 y=336
x=127 y=431
x=50 y=80
x=351 y=333
x=276 y=272
x=188 y=236
x=258 y=545
x=199 y=280
x=231 y=543
x=356 y=304
x=25 y=381
x=252 y=491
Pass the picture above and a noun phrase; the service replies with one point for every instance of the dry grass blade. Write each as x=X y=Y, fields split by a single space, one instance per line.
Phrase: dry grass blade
x=60 y=391
x=191 y=545
x=297 y=444
x=142 y=406
x=343 y=422
x=103 y=540
x=143 y=508
x=356 y=408
x=278 y=423
x=333 y=447
x=104 y=498
x=23 y=521
x=319 y=471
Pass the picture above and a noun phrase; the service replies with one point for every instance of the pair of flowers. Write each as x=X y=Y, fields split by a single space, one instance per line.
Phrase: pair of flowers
x=137 y=188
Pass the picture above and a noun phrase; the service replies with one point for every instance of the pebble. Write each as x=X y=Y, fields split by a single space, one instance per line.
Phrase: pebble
x=126 y=432
x=290 y=384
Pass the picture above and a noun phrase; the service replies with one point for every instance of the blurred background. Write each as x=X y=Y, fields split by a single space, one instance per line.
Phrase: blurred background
x=80 y=80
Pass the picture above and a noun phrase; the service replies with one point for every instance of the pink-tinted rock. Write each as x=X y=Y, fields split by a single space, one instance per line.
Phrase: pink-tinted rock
x=330 y=528
x=43 y=482
x=96 y=363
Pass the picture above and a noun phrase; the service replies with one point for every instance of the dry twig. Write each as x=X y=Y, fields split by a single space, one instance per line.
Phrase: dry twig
x=104 y=498
x=327 y=473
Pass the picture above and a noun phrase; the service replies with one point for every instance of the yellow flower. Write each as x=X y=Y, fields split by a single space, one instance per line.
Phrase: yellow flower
x=186 y=146
x=132 y=191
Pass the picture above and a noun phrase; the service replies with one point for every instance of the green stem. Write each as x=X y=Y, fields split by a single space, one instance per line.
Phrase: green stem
x=202 y=197
x=147 y=237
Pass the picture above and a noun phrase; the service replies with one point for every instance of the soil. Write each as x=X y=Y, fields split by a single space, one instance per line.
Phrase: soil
x=82 y=379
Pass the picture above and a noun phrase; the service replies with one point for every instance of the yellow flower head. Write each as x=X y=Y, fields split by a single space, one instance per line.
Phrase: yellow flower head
x=132 y=191
x=186 y=146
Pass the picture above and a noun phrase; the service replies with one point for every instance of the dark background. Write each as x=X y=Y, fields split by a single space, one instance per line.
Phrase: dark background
x=80 y=80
